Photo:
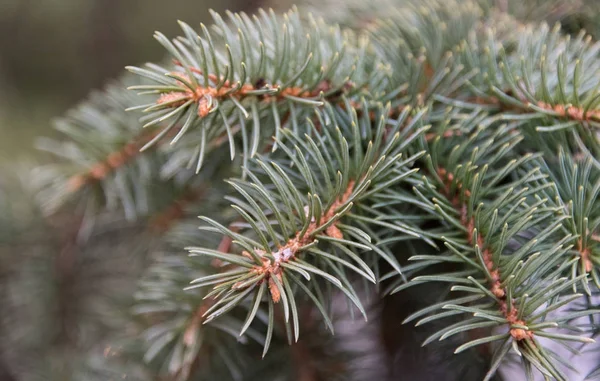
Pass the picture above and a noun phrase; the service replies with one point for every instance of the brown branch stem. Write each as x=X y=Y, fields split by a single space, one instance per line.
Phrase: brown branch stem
x=507 y=307
x=585 y=254
x=112 y=162
x=202 y=93
x=289 y=251
x=571 y=112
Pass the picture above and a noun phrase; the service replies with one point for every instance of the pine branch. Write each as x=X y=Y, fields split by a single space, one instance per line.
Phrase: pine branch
x=272 y=269
x=304 y=225
x=556 y=87
x=113 y=161
x=522 y=286
x=576 y=193
x=212 y=93
x=297 y=64
x=327 y=197
x=106 y=163
x=102 y=148
x=175 y=333
x=510 y=312
x=201 y=93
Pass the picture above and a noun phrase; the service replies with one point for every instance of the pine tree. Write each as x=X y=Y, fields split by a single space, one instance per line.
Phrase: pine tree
x=439 y=156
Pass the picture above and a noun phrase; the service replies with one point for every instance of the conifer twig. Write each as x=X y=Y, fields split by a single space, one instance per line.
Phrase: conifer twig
x=272 y=268
x=111 y=163
x=507 y=307
x=221 y=89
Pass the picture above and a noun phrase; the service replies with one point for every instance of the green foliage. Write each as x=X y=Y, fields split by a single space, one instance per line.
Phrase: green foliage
x=176 y=339
x=295 y=65
x=341 y=179
x=575 y=194
x=496 y=224
x=95 y=130
x=423 y=143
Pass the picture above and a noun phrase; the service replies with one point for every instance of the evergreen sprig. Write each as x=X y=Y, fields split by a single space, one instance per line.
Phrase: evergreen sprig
x=545 y=77
x=422 y=143
x=512 y=260
x=289 y=234
x=267 y=64
x=576 y=195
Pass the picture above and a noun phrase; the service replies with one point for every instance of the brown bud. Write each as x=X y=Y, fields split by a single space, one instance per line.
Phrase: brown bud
x=520 y=334
x=275 y=294
x=177 y=97
x=203 y=109
x=498 y=291
x=334 y=232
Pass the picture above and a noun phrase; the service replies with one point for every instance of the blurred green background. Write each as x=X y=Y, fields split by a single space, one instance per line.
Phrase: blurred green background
x=53 y=52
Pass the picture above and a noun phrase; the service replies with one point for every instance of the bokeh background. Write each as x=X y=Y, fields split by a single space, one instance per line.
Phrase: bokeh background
x=53 y=52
